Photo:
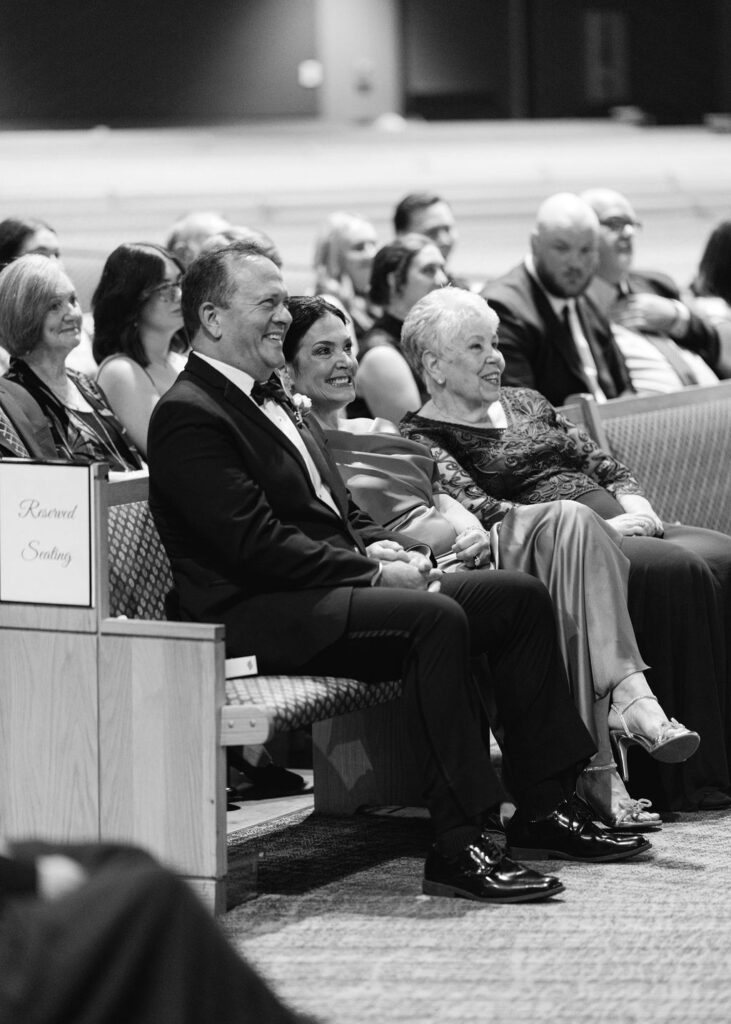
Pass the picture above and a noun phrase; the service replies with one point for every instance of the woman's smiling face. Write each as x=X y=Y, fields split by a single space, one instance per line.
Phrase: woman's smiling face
x=324 y=366
x=470 y=361
x=62 y=325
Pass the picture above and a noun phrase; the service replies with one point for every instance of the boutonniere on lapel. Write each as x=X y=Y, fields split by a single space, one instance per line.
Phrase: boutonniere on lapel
x=302 y=405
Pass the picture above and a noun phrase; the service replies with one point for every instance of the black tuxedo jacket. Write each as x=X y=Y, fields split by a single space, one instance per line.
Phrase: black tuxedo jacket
x=540 y=352
x=250 y=544
x=27 y=417
x=701 y=337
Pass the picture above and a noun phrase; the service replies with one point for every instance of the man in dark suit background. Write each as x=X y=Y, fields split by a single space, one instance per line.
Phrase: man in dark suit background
x=263 y=537
x=553 y=339
x=665 y=345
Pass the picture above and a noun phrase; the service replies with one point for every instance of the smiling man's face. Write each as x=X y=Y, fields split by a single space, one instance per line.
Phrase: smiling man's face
x=255 y=320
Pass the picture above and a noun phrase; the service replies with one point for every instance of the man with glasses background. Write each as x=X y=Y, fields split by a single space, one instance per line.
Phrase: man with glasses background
x=665 y=346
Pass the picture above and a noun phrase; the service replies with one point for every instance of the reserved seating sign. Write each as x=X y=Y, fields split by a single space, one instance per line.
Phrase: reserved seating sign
x=45 y=534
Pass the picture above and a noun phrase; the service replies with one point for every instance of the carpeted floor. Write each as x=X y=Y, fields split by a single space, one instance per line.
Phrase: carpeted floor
x=341 y=930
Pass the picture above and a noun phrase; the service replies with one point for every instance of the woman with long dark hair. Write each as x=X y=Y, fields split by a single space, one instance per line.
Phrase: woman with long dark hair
x=137 y=320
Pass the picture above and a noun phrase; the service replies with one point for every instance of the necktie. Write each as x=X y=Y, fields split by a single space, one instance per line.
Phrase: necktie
x=9 y=439
x=270 y=389
x=573 y=326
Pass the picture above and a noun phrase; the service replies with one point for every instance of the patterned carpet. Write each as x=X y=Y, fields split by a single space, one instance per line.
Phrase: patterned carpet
x=341 y=930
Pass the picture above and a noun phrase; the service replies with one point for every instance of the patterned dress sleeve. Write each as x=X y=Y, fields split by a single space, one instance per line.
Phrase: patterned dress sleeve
x=456 y=482
x=597 y=463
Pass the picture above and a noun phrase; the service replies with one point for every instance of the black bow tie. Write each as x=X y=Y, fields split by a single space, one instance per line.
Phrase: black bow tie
x=270 y=389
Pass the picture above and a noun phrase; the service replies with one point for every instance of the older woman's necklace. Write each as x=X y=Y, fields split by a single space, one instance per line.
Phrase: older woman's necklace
x=64 y=389
x=493 y=417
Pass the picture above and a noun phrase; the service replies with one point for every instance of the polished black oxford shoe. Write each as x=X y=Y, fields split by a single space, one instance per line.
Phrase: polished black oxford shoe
x=569 y=833
x=481 y=871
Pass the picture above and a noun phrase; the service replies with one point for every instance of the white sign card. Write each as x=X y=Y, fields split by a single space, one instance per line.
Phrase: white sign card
x=45 y=534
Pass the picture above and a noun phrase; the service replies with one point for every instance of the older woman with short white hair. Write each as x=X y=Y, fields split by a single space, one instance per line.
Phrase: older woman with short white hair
x=501 y=448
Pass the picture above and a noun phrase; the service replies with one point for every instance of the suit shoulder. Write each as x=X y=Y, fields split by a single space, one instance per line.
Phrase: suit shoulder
x=653 y=281
x=509 y=290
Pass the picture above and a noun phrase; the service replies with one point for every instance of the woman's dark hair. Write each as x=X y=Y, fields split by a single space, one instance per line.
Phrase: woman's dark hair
x=714 y=270
x=306 y=310
x=13 y=232
x=129 y=275
x=394 y=259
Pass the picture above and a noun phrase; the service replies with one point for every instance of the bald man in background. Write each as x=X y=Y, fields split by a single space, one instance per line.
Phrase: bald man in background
x=553 y=339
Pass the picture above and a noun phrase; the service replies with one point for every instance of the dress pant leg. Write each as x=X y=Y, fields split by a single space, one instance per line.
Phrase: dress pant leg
x=715 y=550
x=676 y=609
x=133 y=944
x=424 y=638
x=512 y=623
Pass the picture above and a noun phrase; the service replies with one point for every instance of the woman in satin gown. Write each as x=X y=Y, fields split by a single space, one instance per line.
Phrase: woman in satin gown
x=564 y=544
x=498 y=448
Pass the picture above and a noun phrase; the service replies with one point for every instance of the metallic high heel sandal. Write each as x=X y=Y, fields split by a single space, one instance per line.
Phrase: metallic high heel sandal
x=630 y=816
x=673 y=743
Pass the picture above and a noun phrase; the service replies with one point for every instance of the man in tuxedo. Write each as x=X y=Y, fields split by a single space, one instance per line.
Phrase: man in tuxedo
x=665 y=345
x=553 y=339
x=263 y=537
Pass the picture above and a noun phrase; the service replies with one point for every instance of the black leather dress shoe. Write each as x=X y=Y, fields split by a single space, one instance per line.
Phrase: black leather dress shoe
x=570 y=834
x=482 y=872
x=714 y=800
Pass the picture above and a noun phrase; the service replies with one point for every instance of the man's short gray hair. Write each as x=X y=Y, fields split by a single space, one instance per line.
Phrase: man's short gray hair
x=436 y=317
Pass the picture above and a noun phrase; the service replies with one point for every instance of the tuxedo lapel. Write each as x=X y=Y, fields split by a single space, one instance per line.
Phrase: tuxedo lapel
x=316 y=444
x=244 y=405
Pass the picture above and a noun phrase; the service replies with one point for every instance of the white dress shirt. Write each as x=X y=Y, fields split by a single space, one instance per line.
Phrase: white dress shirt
x=274 y=412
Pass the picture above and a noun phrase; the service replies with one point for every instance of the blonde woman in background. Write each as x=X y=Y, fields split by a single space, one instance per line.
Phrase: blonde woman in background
x=343 y=261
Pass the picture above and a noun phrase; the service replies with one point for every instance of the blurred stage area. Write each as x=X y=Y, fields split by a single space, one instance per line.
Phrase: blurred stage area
x=100 y=187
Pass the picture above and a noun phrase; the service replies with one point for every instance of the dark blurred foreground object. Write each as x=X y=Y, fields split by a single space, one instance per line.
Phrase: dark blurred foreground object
x=98 y=934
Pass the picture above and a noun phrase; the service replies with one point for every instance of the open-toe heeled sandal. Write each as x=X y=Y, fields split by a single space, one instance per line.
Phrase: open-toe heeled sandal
x=672 y=745
x=630 y=815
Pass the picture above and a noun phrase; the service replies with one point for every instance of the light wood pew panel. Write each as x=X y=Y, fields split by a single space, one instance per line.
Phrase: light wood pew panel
x=162 y=776
x=49 y=748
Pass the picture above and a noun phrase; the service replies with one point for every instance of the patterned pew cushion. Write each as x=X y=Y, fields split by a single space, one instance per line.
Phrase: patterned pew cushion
x=139 y=580
x=295 y=701
x=139 y=570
